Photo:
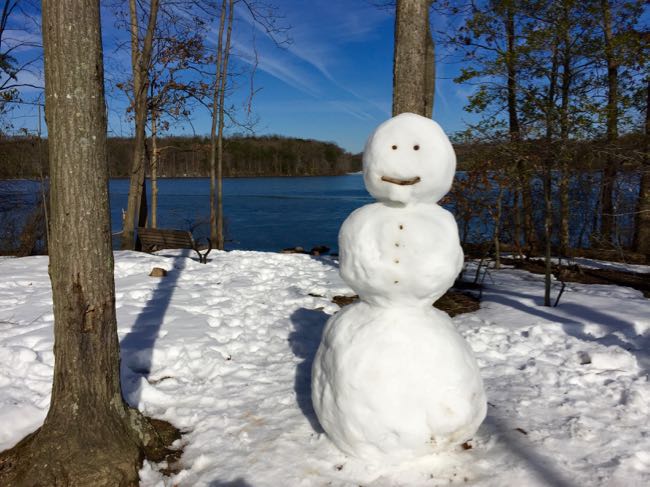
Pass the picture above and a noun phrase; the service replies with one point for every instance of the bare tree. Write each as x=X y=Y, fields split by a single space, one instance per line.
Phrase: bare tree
x=612 y=115
x=171 y=88
x=11 y=67
x=216 y=132
x=141 y=48
x=264 y=15
x=90 y=436
x=642 y=224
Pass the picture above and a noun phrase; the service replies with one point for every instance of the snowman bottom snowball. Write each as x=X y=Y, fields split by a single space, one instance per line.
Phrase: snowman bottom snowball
x=395 y=384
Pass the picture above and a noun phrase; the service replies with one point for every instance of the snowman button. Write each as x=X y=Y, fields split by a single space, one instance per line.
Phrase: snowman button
x=401 y=227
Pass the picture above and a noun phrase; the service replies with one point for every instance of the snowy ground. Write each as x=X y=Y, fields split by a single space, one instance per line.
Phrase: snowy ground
x=224 y=352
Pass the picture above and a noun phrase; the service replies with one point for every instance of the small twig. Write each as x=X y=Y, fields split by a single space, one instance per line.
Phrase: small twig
x=557 y=300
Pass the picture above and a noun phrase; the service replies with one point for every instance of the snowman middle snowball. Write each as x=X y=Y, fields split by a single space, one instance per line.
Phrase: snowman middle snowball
x=392 y=379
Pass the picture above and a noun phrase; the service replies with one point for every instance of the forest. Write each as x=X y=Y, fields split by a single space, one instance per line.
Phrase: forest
x=24 y=157
x=244 y=156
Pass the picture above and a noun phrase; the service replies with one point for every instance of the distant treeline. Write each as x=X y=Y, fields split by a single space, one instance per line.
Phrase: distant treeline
x=26 y=157
x=20 y=157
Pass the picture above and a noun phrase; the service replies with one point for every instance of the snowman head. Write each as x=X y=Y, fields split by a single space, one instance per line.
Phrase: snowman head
x=408 y=159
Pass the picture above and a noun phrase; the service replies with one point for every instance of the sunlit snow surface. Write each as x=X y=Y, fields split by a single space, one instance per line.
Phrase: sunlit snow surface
x=224 y=352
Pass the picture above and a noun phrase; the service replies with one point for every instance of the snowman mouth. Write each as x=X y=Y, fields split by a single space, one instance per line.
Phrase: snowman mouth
x=401 y=182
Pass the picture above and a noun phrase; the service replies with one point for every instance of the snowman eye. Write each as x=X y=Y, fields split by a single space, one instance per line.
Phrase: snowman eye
x=394 y=147
x=416 y=147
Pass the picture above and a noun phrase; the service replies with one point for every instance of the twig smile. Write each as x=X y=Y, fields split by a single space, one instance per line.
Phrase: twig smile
x=401 y=182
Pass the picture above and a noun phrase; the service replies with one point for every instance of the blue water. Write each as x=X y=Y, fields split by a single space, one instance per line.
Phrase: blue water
x=274 y=213
x=260 y=213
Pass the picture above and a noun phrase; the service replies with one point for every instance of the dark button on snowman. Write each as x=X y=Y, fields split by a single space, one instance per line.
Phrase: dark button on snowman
x=392 y=379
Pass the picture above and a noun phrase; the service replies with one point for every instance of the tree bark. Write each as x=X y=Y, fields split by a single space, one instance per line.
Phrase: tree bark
x=140 y=61
x=496 y=236
x=222 y=96
x=609 y=173
x=90 y=436
x=412 y=58
x=514 y=131
x=429 y=72
x=154 y=169
x=213 y=130
x=511 y=67
x=642 y=223
x=565 y=93
x=547 y=174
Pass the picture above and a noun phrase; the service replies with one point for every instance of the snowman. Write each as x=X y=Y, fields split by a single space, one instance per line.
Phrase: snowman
x=392 y=379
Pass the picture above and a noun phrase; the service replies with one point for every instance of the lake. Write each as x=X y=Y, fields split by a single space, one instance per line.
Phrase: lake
x=270 y=214
x=260 y=213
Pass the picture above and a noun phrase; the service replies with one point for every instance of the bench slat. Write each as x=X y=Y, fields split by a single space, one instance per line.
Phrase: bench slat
x=164 y=237
x=161 y=238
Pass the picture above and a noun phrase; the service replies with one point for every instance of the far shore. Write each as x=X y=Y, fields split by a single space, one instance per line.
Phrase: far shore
x=208 y=177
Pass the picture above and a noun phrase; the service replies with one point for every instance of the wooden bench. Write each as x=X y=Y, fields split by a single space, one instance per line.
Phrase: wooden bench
x=153 y=239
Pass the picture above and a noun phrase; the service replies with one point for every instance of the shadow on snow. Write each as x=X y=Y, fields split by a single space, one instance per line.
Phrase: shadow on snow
x=619 y=332
x=238 y=482
x=513 y=440
x=308 y=325
x=136 y=348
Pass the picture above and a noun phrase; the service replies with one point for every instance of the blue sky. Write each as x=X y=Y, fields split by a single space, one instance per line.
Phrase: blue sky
x=332 y=83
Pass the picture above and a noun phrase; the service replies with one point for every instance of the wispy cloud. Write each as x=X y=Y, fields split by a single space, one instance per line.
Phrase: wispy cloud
x=321 y=31
x=277 y=66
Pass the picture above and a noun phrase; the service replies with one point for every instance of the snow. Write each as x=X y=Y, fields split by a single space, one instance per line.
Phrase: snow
x=396 y=383
x=403 y=147
x=393 y=380
x=227 y=355
x=411 y=255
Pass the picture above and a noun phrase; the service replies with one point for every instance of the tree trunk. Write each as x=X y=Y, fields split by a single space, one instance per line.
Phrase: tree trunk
x=547 y=174
x=429 y=72
x=213 y=131
x=90 y=436
x=642 y=223
x=511 y=67
x=513 y=122
x=496 y=236
x=412 y=63
x=222 y=96
x=140 y=60
x=609 y=173
x=154 y=169
x=523 y=178
x=565 y=92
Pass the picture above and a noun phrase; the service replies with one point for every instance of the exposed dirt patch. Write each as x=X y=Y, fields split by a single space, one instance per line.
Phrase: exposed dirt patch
x=344 y=300
x=624 y=256
x=452 y=302
x=168 y=434
x=611 y=255
x=456 y=303
x=75 y=469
